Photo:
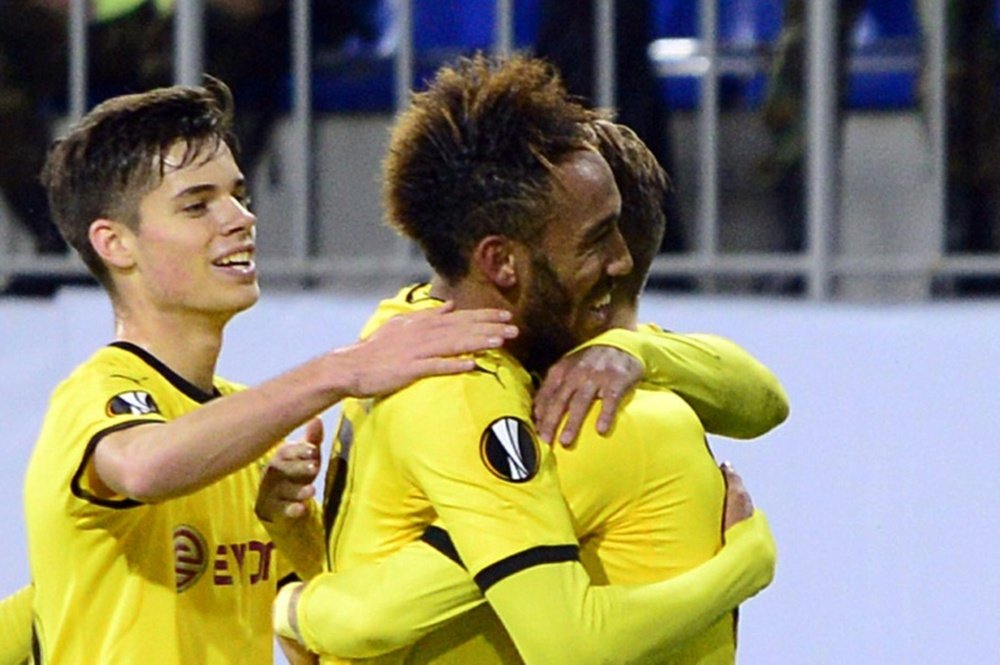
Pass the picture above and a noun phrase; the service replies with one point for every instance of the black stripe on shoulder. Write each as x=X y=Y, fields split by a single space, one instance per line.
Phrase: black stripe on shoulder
x=439 y=539
x=81 y=493
x=515 y=563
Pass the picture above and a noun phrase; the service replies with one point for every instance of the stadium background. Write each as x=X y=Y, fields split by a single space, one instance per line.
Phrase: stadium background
x=880 y=488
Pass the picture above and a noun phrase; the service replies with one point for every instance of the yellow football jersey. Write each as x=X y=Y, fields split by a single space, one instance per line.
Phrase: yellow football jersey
x=646 y=501
x=647 y=504
x=188 y=580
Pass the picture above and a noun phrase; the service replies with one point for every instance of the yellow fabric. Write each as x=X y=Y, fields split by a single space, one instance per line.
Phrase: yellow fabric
x=416 y=457
x=647 y=504
x=189 y=580
x=375 y=608
x=416 y=449
x=15 y=627
x=732 y=392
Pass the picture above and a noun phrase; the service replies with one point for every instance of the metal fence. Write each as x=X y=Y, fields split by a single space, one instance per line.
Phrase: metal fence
x=821 y=267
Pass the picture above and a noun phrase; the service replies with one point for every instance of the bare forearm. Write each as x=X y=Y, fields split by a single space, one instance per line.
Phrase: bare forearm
x=160 y=462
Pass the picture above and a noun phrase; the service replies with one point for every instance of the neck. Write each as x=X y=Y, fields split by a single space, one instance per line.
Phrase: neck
x=188 y=345
x=470 y=293
x=625 y=316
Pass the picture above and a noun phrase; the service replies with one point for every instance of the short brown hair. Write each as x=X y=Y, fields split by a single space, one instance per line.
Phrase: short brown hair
x=643 y=184
x=473 y=155
x=115 y=154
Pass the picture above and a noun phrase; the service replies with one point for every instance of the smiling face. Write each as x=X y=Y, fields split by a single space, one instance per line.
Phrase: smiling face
x=574 y=266
x=194 y=245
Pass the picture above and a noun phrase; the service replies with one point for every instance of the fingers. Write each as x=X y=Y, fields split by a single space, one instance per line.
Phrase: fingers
x=739 y=504
x=610 y=399
x=550 y=405
x=286 y=488
x=314 y=432
x=464 y=331
x=575 y=382
x=419 y=344
x=299 y=460
x=579 y=405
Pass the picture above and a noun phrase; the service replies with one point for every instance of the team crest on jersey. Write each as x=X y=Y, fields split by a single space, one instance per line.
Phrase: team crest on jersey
x=509 y=450
x=133 y=402
x=190 y=556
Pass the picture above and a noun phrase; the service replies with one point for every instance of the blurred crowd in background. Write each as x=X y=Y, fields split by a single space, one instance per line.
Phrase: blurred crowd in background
x=247 y=44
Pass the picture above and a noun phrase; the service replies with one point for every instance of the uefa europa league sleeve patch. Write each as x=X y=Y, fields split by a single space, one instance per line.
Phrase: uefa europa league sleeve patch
x=134 y=402
x=509 y=450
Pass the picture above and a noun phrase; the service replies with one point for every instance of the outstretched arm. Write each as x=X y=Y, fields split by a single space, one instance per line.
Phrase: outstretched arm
x=153 y=464
x=373 y=609
x=378 y=608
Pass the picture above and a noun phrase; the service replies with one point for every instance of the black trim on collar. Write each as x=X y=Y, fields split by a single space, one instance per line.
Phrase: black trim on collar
x=439 y=539
x=74 y=484
x=175 y=379
x=529 y=558
x=411 y=295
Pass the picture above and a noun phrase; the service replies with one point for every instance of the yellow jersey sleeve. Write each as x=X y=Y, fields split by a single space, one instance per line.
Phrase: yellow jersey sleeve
x=15 y=627
x=732 y=392
x=377 y=608
x=629 y=623
x=90 y=406
x=481 y=466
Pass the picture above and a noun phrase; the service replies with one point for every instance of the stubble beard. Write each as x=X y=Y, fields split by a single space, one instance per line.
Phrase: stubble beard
x=547 y=335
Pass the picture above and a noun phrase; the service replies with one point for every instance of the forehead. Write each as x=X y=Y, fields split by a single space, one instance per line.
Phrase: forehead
x=584 y=195
x=212 y=162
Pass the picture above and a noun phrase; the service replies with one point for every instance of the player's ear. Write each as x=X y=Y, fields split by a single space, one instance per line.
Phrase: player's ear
x=113 y=242
x=497 y=260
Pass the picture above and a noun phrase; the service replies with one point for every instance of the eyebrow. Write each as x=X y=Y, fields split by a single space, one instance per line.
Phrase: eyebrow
x=194 y=190
x=597 y=229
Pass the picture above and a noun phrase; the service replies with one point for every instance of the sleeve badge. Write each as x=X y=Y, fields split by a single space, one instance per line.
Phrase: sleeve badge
x=509 y=450
x=134 y=402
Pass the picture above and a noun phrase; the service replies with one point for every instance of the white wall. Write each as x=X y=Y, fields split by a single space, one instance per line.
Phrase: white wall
x=881 y=488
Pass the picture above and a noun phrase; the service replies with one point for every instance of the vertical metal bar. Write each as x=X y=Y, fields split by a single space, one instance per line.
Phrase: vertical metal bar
x=503 y=42
x=821 y=167
x=604 y=54
x=78 y=70
x=936 y=49
x=301 y=157
x=404 y=53
x=708 y=133
x=405 y=250
x=189 y=43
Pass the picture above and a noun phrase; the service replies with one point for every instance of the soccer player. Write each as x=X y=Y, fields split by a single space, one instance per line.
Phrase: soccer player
x=142 y=539
x=530 y=221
